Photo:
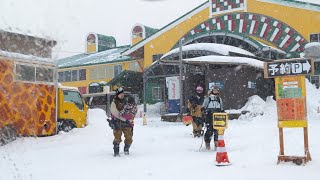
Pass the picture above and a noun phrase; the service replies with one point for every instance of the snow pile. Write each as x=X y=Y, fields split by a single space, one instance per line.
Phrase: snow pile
x=254 y=105
x=212 y=47
x=312 y=44
x=227 y=59
x=153 y=110
x=313 y=98
x=258 y=107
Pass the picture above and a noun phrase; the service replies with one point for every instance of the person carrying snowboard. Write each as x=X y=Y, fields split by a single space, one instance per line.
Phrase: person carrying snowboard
x=194 y=110
x=129 y=111
x=212 y=104
x=120 y=124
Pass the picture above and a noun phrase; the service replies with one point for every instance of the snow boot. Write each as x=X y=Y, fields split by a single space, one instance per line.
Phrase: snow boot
x=215 y=145
x=208 y=146
x=126 y=149
x=116 y=150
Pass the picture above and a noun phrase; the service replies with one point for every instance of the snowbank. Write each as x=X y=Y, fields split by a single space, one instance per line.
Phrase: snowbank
x=258 y=107
x=153 y=110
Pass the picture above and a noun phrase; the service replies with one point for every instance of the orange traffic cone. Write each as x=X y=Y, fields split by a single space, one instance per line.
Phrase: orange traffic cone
x=222 y=155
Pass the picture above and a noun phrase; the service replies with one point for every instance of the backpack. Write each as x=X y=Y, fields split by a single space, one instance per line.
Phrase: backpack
x=217 y=99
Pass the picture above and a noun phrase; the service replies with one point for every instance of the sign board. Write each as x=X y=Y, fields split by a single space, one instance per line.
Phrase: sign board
x=173 y=85
x=288 y=67
x=252 y=85
x=220 y=120
x=291 y=101
x=218 y=84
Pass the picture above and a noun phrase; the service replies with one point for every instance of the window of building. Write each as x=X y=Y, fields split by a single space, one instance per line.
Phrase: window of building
x=134 y=66
x=314 y=37
x=109 y=72
x=117 y=70
x=156 y=57
x=156 y=93
x=315 y=80
x=74 y=75
x=67 y=76
x=82 y=74
x=101 y=72
x=60 y=77
x=93 y=73
x=25 y=73
x=44 y=74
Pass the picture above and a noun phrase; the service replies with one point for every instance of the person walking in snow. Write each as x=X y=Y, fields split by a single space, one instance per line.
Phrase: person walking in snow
x=121 y=125
x=129 y=110
x=194 y=110
x=212 y=104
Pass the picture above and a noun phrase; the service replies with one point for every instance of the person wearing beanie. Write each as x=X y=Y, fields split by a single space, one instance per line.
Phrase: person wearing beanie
x=212 y=104
x=121 y=125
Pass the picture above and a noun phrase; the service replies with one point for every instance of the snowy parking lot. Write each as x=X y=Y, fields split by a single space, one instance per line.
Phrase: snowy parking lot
x=162 y=150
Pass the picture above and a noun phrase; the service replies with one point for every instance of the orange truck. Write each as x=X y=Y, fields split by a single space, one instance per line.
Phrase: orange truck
x=31 y=101
x=33 y=104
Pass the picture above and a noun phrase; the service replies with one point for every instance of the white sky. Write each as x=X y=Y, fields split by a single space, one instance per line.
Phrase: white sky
x=69 y=21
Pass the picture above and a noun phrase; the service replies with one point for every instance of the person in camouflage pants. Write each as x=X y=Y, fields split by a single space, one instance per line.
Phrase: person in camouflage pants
x=120 y=124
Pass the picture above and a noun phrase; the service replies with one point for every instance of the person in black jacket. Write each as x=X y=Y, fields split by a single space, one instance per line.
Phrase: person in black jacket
x=212 y=104
x=194 y=110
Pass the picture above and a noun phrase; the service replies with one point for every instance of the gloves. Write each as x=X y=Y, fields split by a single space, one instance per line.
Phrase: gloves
x=111 y=123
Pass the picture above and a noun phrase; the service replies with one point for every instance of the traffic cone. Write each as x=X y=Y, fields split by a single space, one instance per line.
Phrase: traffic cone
x=222 y=155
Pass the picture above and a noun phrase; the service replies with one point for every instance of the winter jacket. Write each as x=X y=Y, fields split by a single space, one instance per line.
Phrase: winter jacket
x=195 y=105
x=213 y=103
x=116 y=106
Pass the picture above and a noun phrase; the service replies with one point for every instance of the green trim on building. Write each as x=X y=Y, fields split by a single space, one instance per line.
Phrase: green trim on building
x=150 y=31
x=186 y=14
x=261 y=26
x=106 y=42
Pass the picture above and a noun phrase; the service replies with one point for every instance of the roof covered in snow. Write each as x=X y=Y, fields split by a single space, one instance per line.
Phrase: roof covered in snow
x=312 y=50
x=220 y=49
x=226 y=60
x=19 y=56
x=85 y=59
x=313 y=5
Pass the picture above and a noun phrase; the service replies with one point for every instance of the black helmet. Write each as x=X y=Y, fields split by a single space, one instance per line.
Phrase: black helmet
x=119 y=90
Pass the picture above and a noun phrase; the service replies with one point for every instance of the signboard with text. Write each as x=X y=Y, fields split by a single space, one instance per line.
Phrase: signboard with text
x=220 y=120
x=290 y=67
x=291 y=101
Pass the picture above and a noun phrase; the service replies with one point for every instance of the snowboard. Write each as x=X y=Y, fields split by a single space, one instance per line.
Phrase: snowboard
x=187 y=120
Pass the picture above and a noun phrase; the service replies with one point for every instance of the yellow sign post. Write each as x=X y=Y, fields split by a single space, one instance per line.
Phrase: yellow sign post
x=220 y=123
x=291 y=100
x=291 y=103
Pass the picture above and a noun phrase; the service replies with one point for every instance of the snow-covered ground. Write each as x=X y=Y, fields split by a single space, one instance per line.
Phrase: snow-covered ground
x=163 y=150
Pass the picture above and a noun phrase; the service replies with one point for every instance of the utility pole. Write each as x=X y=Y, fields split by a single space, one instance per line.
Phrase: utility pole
x=180 y=77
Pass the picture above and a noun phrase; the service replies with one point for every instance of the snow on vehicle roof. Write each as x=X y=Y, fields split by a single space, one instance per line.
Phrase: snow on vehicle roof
x=226 y=60
x=213 y=47
x=14 y=55
x=69 y=88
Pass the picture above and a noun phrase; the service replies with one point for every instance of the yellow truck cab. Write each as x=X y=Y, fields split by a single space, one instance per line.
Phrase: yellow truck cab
x=72 y=109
